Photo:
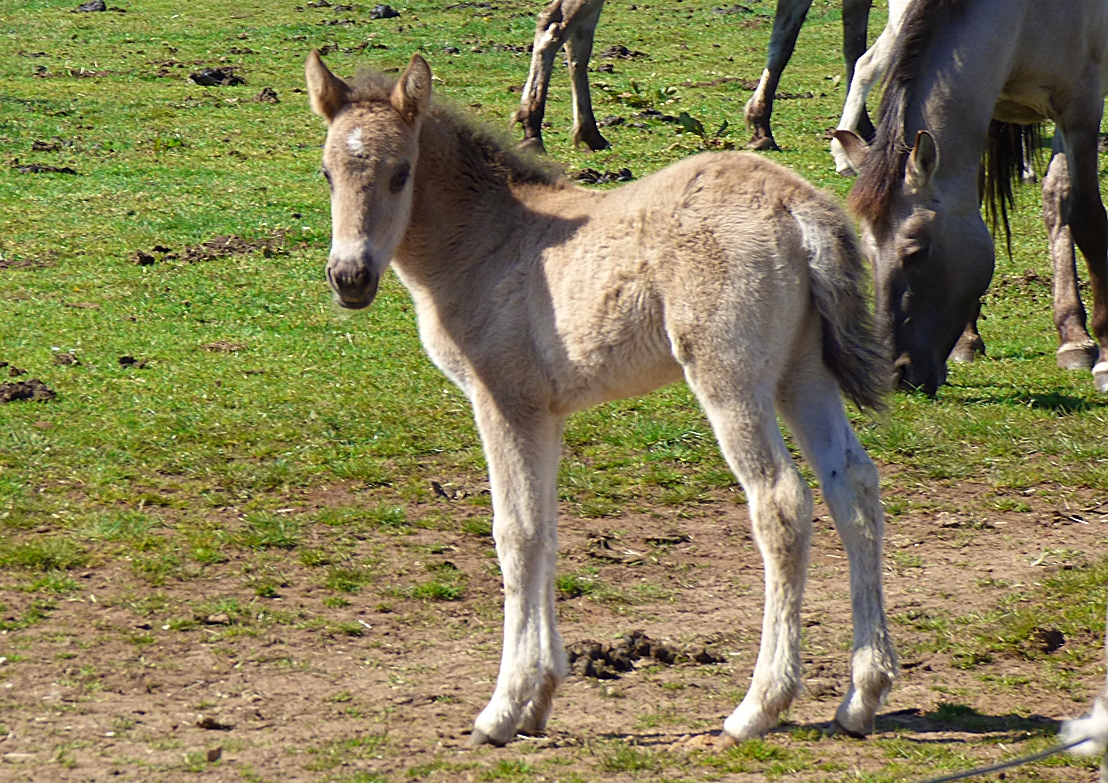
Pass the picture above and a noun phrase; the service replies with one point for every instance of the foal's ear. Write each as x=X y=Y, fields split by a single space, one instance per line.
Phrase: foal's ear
x=327 y=92
x=412 y=94
x=922 y=163
x=854 y=146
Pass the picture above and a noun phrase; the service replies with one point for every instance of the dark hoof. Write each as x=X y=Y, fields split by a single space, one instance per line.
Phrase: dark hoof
x=479 y=738
x=594 y=143
x=533 y=145
x=763 y=144
x=838 y=728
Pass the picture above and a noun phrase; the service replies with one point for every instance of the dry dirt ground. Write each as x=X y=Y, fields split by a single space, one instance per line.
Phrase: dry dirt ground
x=112 y=686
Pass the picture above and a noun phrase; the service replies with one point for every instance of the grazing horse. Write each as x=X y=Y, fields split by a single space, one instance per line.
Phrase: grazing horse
x=538 y=298
x=572 y=24
x=971 y=77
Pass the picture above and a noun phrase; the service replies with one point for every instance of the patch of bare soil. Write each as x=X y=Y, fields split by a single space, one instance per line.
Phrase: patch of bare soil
x=124 y=681
x=216 y=248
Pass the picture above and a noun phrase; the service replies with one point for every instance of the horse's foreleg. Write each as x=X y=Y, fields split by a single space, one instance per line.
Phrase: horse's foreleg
x=522 y=448
x=578 y=51
x=786 y=27
x=1088 y=222
x=969 y=345
x=1076 y=350
x=870 y=68
x=811 y=405
x=855 y=26
x=781 y=514
x=551 y=34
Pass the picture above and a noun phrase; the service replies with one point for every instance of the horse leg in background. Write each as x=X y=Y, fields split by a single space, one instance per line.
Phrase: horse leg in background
x=1085 y=215
x=868 y=71
x=855 y=26
x=786 y=27
x=809 y=402
x=553 y=28
x=781 y=514
x=1076 y=351
x=522 y=445
x=578 y=51
x=969 y=345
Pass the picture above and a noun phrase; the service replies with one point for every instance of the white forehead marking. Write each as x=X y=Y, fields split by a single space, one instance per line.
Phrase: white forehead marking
x=354 y=142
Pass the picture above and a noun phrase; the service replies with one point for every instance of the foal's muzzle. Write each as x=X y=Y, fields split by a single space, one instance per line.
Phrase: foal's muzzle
x=354 y=282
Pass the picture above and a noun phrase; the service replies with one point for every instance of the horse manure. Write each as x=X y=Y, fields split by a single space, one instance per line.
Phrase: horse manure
x=593 y=177
x=1049 y=639
x=131 y=361
x=90 y=7
x=45 y=146
x=267 y=95
x=66 y=360
x=603 y=661
x=33 y=390
x=703 y=656
x=216 y=77
x=38 y=168
x=142 y=259
x=611 y=121
x=383 y=11
x=13 y=371
x=621 y=52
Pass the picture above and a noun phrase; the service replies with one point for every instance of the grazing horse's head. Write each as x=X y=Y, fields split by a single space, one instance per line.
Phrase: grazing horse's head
x=368 y=159
x=932 y=260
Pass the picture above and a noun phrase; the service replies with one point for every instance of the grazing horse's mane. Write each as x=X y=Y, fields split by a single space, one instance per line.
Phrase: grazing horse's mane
x=489 y=149
x=884 y=165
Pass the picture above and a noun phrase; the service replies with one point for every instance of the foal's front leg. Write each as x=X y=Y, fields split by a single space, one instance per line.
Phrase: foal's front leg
x=522 y=446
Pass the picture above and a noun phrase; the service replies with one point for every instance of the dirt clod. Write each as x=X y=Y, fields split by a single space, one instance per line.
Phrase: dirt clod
x=1050 y=639
x=222 y=346
x=267 y=95
x=66 y=360
x=216 y=77
x=131 y=361
x=39 y=168
x=621 y=52
x=91 y=6
x=33 y=390
x=214 y=754
x=142 y=259
x=213 y=724
x=383 y=11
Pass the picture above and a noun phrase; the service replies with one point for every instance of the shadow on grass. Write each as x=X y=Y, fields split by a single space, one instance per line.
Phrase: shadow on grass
x=1053 y=401
x=960 y=718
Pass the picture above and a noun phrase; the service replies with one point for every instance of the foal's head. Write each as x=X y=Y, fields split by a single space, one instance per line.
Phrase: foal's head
x=369 y=158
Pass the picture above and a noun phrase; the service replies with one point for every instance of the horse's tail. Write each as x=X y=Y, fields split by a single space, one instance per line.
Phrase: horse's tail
x=851 y=348
x=1009 y=150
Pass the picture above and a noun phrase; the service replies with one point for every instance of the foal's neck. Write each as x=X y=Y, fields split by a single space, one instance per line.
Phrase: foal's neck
x=469 y=199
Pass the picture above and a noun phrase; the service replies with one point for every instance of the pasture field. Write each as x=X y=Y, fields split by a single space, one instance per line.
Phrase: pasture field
x=249 y=538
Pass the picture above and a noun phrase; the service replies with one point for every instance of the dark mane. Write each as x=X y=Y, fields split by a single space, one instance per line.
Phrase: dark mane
x=884 y=165
x=490 y=149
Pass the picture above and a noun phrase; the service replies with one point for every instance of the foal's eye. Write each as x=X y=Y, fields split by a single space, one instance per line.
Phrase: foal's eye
x=400 y=178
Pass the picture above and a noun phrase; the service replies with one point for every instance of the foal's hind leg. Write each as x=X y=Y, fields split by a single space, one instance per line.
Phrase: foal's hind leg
x=522 y=446
x=781 y=514
x=809 y=401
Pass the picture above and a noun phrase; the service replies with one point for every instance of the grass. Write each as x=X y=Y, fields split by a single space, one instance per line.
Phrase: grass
x=258 y=398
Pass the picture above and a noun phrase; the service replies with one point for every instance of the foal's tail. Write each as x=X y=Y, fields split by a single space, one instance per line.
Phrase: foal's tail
x=851 y=348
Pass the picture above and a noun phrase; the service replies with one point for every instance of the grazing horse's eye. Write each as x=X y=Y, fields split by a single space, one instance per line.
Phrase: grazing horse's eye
x=400 y=178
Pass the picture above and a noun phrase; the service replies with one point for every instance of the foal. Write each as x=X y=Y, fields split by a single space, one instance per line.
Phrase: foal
x=539 y=298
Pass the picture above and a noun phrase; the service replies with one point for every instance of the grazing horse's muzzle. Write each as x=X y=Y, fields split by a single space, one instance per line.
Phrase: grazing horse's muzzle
x=919 y=375
x=354 y=282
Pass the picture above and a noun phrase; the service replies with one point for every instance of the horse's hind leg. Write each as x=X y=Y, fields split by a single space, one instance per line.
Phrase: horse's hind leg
x=1076 y=350
x=551 y=33
x=522 y=446
x=781 y=514
x=809 y=401
x=578 y=52
x=782 y=41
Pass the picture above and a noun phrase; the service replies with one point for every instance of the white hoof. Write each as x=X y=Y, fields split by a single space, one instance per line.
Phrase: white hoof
x=748 y=722
x=1100 y=376
x=1077 y=355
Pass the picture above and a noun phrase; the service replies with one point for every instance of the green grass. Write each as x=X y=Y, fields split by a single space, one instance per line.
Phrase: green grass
x=210 y=461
